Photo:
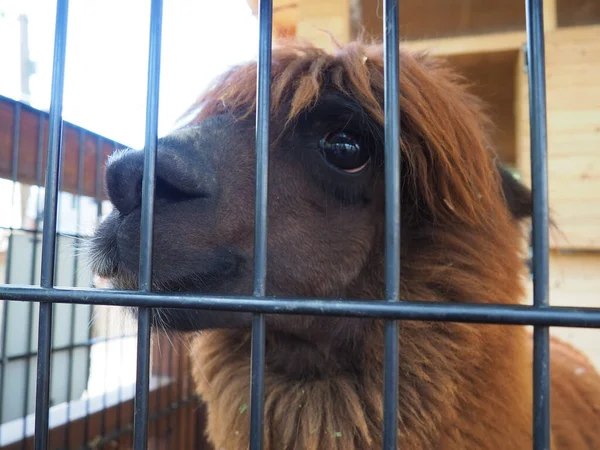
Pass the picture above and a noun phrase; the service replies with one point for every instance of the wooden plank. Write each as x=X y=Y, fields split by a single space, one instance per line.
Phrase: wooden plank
x=28 y=149
x=465 y=45
x=573 y=100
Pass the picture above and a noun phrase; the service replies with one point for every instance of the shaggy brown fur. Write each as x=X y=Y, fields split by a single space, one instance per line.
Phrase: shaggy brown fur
x=461 y=386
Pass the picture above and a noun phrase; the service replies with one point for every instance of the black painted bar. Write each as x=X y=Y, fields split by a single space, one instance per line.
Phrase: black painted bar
x=39 y=171
x=14 y=173
x=98 y=198
x=263 y=102
x=561 y=316
x=4 y=331
x=99 y=181
x=171 y=400
x=140 y=430
x=391 y=43
x=119 y=412
x=42 y=393
x=97 y=188
x=539 y=183
x=72 y=346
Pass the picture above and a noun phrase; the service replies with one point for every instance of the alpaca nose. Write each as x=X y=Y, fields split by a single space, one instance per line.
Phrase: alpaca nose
x=181 y=171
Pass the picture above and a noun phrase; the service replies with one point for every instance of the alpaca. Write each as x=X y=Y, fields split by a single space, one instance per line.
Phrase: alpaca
x=462 y=386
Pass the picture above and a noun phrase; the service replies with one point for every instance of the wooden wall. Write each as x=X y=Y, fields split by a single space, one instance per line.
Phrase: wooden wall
x=573 y=102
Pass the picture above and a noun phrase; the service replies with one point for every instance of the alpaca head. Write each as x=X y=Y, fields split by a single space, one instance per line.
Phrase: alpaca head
x=460 y=209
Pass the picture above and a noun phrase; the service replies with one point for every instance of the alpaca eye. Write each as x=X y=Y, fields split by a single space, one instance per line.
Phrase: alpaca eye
x=344 y=152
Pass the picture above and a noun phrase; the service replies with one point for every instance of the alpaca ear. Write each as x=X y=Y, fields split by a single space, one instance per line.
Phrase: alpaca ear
x=518 y=196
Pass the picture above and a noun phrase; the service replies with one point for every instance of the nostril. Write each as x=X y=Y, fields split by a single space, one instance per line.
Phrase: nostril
x=124 y=179
x=184 y=167
x=180 y=174
x=181 y=170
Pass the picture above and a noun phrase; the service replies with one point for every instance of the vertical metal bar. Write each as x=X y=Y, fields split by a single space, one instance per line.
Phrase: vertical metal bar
x=98 y=186
x=97 y=190
x=14 y=173
x=140 y=431
x=28 y=363
x=392 y=218
x=180 y=383
x=39 y=171
x=159 y=398
x=80 y=169
x=36 y=226
x=182 y=406
x=42 y=394
x=539 y=182
x=4 y=361
x=170 y=420
x=119 y=413
x=154 y=337
x=98 y=198
x=121 y=351
x=263 y=84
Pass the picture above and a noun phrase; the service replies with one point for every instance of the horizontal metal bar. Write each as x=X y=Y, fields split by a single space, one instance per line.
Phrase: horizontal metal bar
x=561 y=316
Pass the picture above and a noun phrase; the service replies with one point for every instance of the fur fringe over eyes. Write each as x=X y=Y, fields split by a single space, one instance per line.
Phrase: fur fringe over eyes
x=439 y=116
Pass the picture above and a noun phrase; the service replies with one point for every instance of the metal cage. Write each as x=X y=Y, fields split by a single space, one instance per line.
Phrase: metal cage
x=540 y=314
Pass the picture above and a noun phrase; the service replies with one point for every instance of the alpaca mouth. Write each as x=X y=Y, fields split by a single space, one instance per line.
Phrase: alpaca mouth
x=213 y=271
x=211 y=278
x=115 y=256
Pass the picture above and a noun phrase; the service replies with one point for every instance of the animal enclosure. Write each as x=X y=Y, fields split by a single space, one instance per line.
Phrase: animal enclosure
x=161 y=407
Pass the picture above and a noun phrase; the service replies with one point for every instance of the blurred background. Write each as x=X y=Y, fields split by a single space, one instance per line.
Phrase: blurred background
x=93 y=363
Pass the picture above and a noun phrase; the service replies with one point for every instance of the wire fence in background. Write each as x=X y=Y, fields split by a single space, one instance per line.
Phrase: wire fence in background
x=90 y=403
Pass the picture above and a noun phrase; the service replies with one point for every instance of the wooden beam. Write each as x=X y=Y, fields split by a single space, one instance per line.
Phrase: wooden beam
x=32 y=121
x=463 y=45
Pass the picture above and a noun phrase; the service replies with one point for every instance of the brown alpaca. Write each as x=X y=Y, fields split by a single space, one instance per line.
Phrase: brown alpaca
x=462 y=386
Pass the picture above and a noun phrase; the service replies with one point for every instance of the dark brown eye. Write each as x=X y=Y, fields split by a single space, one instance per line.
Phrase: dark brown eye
x=344 y=152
